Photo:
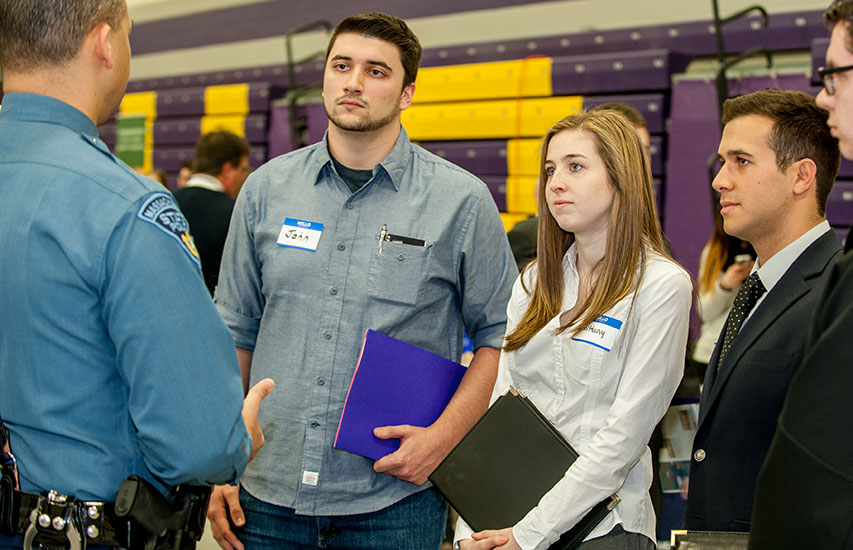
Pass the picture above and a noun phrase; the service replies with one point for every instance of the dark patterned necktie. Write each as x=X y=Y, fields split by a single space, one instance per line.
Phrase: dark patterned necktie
x=749 y=293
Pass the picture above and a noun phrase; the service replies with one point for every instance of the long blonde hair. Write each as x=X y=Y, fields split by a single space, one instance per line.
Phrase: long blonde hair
x=633 y=231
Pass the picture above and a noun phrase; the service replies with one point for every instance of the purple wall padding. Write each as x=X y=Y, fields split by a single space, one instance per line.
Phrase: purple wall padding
x=786 y=32
x=280 y=136
x=615 y=72
x=658 y=150
x=488 y=157
x=657 y=184
x=845 y=171
x=483 y=158
x=653 y=107
x=107 y=133
x=276 y=17
x=839 y=207
x=497 y=187
x=182 y=131
x=190 y=101
x=819 y=46
x=693 y=138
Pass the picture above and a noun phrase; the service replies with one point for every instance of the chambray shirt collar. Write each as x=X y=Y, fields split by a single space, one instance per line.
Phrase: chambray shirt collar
x=394 y=165
x=41 y=108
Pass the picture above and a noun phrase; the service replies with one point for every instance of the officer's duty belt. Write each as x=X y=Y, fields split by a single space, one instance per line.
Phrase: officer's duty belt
x=64 y=522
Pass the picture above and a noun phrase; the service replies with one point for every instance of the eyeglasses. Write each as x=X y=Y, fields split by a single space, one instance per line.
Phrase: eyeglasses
x=827 y=76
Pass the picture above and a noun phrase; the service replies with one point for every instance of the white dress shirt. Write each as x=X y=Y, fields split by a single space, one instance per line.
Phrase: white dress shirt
x=206 y=181
x=605 y=403
x=775 y=268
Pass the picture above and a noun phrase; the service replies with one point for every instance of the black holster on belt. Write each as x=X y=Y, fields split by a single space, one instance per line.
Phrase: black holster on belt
x=176 y=523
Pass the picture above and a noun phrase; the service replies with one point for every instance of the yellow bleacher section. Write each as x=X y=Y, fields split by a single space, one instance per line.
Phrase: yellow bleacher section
x=529 y=77
x=509 y=100
x=494 y=119
x=231 y=99
x=225 y=108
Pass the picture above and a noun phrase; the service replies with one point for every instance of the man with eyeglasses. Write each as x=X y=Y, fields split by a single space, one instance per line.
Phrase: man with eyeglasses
x=804 y=492
x=837 y=94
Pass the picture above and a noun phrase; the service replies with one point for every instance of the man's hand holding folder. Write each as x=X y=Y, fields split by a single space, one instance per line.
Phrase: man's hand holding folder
x=389 y=371
x=417 y=456
x=423 y=449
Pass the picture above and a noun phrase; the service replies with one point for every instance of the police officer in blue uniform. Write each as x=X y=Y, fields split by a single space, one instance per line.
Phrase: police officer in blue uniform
x=113 y=359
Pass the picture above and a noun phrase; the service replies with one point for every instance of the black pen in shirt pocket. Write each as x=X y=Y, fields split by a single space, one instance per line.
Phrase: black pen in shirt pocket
x=384 y=236
x=400 y=239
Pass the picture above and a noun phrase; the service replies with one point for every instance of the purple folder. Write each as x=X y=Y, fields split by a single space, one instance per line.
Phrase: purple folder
x=394 y=383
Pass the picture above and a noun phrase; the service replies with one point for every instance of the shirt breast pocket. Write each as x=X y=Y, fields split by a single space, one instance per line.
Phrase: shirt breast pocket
x=398 y=272
x=583 y=360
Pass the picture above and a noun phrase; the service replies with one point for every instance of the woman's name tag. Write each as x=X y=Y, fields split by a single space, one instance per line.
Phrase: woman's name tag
x=601 y=333
x=300 y=234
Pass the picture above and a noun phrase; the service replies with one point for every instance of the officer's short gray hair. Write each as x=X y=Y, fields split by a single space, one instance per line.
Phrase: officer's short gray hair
x=38 y=33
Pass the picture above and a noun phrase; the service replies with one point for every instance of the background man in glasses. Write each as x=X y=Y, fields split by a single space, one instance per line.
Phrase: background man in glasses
x=804 y=493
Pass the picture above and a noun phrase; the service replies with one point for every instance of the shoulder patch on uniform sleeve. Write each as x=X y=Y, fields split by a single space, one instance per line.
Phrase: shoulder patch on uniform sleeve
x=161 y=211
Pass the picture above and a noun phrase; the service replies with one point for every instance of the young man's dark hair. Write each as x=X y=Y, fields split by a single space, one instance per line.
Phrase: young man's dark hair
x=33 y=34
x=390 y=29
x=215 y=149
x=838 y=11
x=799 y=131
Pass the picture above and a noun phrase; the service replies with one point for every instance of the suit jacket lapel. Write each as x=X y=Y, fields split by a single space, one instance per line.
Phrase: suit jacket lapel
x=790 y=288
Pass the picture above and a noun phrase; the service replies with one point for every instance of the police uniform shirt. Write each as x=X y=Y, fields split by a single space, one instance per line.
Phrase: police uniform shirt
x=113 y=360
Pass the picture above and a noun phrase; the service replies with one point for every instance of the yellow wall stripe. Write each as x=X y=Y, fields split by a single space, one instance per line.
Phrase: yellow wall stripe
x=520 y=194
x=477 y=81
x=488 y=119
x=235 y=124
x=226 y=100
x=510 y=219
x=139 y=103
x=522 y=156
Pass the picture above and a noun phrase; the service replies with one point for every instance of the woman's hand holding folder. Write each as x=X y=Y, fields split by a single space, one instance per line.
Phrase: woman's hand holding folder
x=486 y=540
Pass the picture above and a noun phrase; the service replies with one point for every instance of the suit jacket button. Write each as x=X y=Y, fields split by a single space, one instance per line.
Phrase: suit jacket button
x=699 y=455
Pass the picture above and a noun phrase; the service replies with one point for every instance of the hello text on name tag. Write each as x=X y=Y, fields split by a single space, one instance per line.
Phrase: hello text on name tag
x=300 y=234
x=601 y=333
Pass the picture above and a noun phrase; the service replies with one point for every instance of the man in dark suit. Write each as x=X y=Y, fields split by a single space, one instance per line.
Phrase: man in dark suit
x=221 y=166
x=779 y=162
x=804 y=493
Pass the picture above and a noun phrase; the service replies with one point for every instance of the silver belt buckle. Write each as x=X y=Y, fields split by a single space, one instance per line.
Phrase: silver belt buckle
x=40 y=519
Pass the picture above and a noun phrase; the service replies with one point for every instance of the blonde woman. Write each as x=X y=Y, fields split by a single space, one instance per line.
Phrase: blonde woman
x=596 y=333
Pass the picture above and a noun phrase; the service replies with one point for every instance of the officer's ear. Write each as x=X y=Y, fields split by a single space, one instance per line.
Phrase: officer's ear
x=100 y=37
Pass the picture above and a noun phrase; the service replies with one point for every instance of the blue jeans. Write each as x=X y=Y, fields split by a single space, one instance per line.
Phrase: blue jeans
x=415 y=523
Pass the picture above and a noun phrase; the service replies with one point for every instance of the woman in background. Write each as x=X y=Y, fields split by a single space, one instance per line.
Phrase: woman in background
x=596 y=333
x=725 y=263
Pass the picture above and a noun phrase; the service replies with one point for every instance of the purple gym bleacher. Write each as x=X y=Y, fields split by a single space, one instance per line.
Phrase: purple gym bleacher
x=631 y=65
x=788 y=31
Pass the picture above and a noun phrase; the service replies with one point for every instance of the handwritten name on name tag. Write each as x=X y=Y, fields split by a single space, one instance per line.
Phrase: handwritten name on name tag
x=601 y=333
x=300 y=234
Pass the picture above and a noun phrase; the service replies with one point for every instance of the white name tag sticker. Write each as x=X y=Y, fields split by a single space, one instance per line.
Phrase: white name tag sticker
x=300 y=234
x=601 y=333
x=310 y=478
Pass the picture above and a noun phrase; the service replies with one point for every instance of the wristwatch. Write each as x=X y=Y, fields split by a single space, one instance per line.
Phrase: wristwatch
x=456 y=545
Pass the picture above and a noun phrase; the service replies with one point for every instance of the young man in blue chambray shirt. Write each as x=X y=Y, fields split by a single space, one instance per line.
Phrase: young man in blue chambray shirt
x=300 y=309
x=109 y=338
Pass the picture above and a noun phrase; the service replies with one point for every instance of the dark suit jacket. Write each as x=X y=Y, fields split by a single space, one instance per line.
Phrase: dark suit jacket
x=804 y=494
x=209 y=214
x=741 y=403
x=522 y=241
